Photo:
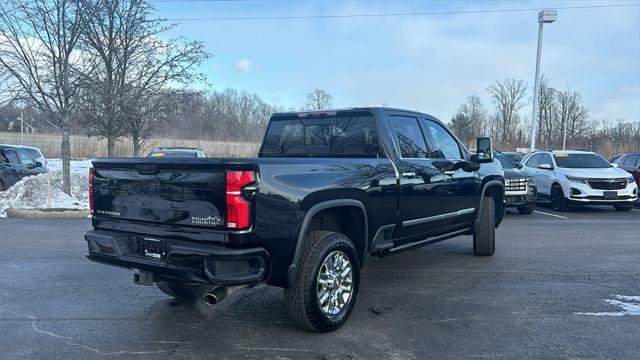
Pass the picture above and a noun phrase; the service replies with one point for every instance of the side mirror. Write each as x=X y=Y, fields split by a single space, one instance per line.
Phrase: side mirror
x=484 y=150
x=519 y=165
x=38 y=164
x=545 y=167
x=615 y=165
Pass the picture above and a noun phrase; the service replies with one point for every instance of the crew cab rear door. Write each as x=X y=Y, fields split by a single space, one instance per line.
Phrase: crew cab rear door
x=421 y=184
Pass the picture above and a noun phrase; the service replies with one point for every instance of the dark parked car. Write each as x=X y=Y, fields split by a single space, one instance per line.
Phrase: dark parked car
x=327 y=189
x=176 y=152
x=514 y=155
x=520 y=187
x=631 y=163
x=16 y=163
x=615 y=157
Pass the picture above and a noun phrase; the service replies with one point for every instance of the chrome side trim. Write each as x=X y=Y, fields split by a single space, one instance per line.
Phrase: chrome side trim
x=438 y=217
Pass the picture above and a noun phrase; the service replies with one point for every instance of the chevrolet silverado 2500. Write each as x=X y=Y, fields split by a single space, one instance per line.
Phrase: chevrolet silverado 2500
x=327 y=189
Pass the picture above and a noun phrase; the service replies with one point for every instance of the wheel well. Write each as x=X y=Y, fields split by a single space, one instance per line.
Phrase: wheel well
x=497 y=193
x=347 y=220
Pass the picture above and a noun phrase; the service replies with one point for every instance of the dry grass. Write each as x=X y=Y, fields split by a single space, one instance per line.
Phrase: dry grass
x=86 y=147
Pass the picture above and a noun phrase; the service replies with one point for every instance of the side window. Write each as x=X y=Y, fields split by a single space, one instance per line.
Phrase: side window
x=408 y=136
x=534 y=161
x=632 y=161
x=25 y=158
x=546 y=159
x=441 y=144
x=35 y=153
x=11 y=156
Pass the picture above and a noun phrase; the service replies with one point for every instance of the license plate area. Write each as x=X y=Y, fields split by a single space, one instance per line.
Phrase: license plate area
x=153 y=248
x=610 y=195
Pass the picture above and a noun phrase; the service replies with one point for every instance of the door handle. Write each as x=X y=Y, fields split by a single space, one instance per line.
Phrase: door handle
x=408 y=174
x=449 y=172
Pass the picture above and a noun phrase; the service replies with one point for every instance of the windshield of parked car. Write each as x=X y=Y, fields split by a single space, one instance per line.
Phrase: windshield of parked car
x=505 y=161
x=580 y=161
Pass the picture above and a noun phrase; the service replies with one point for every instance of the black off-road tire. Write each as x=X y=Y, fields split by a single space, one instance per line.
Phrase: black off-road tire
x=484 y=236
x=301 y=299
x=624 y=208
x=526 y=209
x=183 y=291
x=558 y=201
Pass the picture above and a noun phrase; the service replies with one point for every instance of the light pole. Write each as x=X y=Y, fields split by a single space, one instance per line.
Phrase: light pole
x=544 y=17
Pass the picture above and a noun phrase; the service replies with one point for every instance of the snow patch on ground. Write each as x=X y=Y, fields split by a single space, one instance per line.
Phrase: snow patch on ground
x=630 y=305
x=77 y=166
x=31 y=192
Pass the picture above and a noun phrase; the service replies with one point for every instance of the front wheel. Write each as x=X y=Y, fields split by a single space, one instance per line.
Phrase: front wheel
x=484 y=237
x=326 y=285
x=558 y=201
x=624 y=208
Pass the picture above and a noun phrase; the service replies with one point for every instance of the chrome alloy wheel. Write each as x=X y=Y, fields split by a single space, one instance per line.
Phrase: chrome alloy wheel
x=334 y=283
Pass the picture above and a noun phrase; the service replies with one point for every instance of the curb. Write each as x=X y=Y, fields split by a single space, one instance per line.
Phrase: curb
x=46 y=213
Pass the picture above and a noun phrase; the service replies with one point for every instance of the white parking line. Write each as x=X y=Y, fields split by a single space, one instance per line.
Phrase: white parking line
x=548 y=214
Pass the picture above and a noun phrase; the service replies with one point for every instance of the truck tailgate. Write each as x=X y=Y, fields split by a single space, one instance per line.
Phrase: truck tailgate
x=184 y=192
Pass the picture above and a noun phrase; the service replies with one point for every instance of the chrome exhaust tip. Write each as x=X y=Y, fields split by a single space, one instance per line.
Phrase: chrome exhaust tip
x=215 y=296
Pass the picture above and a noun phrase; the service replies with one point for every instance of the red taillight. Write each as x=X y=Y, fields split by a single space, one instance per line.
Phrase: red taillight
x=91 y=190
x=238 y=209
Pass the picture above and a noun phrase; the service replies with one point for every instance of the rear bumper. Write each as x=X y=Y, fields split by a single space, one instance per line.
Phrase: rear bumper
x=181 y=260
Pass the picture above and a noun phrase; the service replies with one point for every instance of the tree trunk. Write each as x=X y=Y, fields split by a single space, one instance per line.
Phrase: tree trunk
x=65 y=154
x=135 y=138
x=111 y=145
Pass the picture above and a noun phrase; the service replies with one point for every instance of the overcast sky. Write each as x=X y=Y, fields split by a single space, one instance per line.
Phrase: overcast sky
x=429 y=63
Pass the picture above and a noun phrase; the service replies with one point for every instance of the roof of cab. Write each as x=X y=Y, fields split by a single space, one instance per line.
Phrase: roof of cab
x=369 y=108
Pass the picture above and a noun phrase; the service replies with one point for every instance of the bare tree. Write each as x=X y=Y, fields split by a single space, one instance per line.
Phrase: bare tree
x=470 y=121
x=318 y=99
x=547 y=113
x=38 y=50
x=509 y=97
x=572 y=115
x=134 y=67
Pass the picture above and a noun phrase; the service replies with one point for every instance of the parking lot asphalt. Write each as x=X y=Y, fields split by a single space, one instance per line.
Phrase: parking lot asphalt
x=535 y=298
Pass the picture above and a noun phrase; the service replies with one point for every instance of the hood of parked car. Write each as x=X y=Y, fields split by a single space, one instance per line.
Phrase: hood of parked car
x=515 y=173
x=600 y=173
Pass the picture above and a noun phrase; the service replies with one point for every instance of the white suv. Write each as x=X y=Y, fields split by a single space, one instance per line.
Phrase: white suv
x=580 y=177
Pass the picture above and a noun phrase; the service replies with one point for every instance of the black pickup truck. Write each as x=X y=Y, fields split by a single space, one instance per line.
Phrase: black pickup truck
x=328 y=188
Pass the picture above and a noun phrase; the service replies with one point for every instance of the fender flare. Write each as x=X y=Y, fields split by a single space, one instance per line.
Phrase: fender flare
x=488 y=184
x=292 y=270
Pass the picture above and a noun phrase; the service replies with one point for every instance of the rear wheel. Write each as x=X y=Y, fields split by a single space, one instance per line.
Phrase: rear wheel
x=558 y=201
x=484 y=237
x=326 y=285
x=526 y=209
x=623 y=207
x=184 y=291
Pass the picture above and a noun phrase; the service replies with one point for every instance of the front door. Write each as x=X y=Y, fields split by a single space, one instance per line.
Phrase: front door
x=421 y=184
x=461 y=187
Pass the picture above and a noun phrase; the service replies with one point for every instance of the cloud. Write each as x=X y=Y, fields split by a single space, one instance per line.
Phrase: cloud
x=244 y=65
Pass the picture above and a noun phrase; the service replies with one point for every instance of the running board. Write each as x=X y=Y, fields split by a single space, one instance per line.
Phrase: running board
x=425 y=242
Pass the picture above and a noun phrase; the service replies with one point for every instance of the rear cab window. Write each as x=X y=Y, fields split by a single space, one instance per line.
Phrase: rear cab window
x=330 y=134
